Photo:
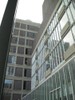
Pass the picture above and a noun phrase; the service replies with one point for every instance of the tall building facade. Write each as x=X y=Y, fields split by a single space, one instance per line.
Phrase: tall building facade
x=18 y=74
x=53 y=59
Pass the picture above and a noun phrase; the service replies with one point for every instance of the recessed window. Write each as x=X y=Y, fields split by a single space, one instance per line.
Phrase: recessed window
x=19 y=60
x=20 y=50
x=30 y=34
x=14 y=40
x=16 y=97
x=28 y=61
x=6 y=96
x=33 y=28
x=28 y=51
x=26 y=85
x=17 y=25
x=18 y=72
x=29 y=42
x=13 y=49
x=12 y=59
x=17 y=84
x=21 y=41
x=23 y=26
x=22 y=33
x=27 y=72
x=10 y=70
x=16 y=32
x=8 y=84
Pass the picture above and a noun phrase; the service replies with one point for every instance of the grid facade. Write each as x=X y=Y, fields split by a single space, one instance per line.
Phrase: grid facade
x=18 y=75
x=53 y=62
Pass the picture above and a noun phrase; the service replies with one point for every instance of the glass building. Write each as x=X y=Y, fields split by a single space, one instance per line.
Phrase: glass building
x=53 y=61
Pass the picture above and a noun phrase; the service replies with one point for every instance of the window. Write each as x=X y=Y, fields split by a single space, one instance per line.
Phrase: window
x=63 y=21
x=17 y=84
x=68 y=40
x=18 y=72
x=26 y=85
x=27 y=72
x=29 y=42
x=23 y=26
x=28 y=61
x=12 y=59
x=22 y=33
x=14 y=40
x=16 y=97
x=13 y=49
x=28 y=51
x=19 y=60
x=10 y=70
x=21 y=41
x=73 y=10
x=17 y=25
x=8 y=84
x=33 y=28
x=6 y=96
x=73 y=30
x=30 y=34
x=16 y=32
x=20 y=50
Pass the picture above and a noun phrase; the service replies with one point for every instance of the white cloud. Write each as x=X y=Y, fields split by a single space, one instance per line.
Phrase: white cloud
x=30 y=9
x=27 y=9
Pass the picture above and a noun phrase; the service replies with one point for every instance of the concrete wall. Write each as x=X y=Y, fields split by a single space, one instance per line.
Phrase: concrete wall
x=48 y=8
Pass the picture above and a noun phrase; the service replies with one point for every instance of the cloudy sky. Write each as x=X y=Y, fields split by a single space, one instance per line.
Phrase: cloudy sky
x=26 y=10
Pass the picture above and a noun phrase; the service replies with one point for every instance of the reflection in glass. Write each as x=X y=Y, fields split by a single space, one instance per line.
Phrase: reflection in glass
x=68 y=40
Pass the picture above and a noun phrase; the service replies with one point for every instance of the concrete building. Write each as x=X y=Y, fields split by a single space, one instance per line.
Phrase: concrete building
x=18 y=74
x=53 y=58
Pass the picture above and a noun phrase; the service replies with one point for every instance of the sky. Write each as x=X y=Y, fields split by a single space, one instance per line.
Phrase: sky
x=26 y=10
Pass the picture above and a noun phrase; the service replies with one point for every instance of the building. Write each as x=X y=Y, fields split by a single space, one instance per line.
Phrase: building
x=18 y=74
x=53 y=58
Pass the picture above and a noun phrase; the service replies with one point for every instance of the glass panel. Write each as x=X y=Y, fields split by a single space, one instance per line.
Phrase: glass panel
x=62 y=84
x=19 y=60
x=8 y=83
x=73 y=30
x=23 y=26
x=10 y=70
x=68 y=40
x=68 y=83
x=21 y=41
x=72 y=71
x=17 y=24
x=16 y=32
x=20 y=50
x=11 y=59
x=14 y=40
x=72 y=10
x=22 y=33
x=13 y=49
x=17 y=85
x=57 y=80
x=63 y=21
x=70 y=15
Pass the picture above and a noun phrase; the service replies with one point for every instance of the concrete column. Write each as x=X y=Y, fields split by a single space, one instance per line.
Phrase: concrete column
x=5 y=34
